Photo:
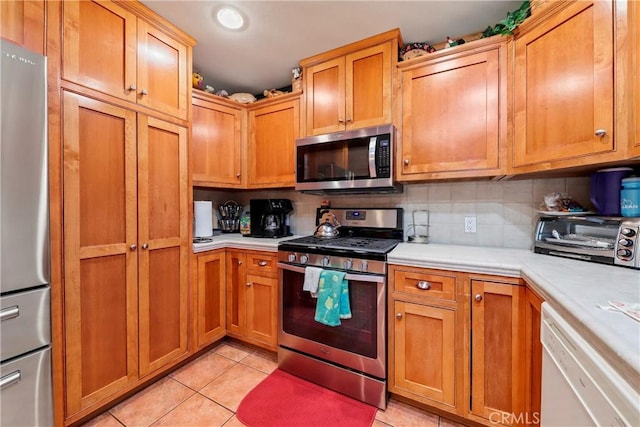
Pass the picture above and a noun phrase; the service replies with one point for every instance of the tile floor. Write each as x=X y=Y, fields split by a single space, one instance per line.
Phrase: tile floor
x=208 y=390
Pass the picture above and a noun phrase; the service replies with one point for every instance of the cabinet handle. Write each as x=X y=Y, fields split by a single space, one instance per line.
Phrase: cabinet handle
x=249 y=283
x=399 y=315
x=144 y=92
x=133 y=247
x=600 y=133
x=10 y=379
x=262 y=263
x=348 y=119
x=478 y=297
x=145 y=246
x=239 y=262
x=132 y=88
x=424 y=285
x=406 y=162
x=10 y=312
x=340 y=120
x=237 y=175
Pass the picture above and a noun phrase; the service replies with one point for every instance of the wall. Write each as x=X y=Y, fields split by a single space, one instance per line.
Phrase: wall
x=506 y=211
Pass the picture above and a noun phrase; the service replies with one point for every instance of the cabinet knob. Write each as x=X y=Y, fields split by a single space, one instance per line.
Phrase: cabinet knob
x=145 y=246
x=348 y=119
x=239 y=262
x=424 y=285
x=406 y=162
x=262 y=263
x=478 y=297
x=144 y=92
x=399 y=315
x=600 y=133
x=132 y=87
x=133 y=247
x=249 y=284
x=340 y=120
x=237 y=175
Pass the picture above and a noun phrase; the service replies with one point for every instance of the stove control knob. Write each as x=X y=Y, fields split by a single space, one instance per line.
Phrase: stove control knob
x=304 y=259
x=625 y=242
x=326 y=261
x=628 y=232
x=348 y=264
x=292 y=258
x=624 y=253
x=364 y=265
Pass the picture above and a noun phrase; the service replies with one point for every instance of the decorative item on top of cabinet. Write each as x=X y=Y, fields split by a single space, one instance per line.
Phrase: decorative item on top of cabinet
x=571 y=98
x=351 y=87
x=125 y=249
x=252 y=297
x=209 y=277
x=217 y=134
x=274 y=126
x=452 y=106
x=22 y=22
x=109 y=47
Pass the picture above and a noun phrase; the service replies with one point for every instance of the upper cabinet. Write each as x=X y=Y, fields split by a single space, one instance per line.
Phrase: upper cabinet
x=350 y=87
x=22 y=22
x=216 y=141
x=273 y=130
x=108 y=48
x=572 y=87
x=453 y=108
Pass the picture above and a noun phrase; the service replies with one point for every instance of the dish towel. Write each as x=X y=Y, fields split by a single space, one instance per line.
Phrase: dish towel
x=333 y=298
x=311 y=279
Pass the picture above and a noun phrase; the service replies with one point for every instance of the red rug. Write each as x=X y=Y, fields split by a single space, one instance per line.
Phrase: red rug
x=283 y=399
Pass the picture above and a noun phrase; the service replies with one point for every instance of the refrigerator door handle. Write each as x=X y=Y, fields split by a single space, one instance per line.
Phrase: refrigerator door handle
x=10 y=379
x=9 y=313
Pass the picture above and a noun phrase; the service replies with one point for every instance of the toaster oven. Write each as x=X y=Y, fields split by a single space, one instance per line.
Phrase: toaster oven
x=606 y=240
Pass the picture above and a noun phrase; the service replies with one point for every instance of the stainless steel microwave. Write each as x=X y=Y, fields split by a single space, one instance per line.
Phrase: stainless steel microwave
x=354 y=161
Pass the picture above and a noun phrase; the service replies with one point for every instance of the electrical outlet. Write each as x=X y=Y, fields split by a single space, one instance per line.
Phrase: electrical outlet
x=469 y=224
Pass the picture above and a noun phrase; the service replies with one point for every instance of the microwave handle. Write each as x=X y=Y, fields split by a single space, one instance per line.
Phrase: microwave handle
x=373 y=142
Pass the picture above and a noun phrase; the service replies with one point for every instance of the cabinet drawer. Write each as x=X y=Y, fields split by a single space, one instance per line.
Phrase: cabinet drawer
x=425 y=284
x=262 y=262
x=25 y=322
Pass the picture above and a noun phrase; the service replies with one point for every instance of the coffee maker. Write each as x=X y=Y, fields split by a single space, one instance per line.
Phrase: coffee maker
x=269 y=217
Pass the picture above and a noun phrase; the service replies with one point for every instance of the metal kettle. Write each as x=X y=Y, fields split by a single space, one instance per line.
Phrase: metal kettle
x=328 y=226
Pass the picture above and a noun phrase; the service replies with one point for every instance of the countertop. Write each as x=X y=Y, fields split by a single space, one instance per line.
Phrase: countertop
x=575 y=289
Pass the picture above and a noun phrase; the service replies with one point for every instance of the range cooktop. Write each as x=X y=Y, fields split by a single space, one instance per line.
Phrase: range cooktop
x=356 y=244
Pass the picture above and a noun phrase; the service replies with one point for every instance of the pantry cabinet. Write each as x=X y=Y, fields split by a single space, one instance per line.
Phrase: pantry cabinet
x=252 y=297
x=126 y=247
x=425 y=337
x=571 y=87
x=350 y=87
x=274 y=126
x=496 y=353
x=209 y=278
x=107 y=47
x=22 y=23
x=453 y=107
x=217 y=134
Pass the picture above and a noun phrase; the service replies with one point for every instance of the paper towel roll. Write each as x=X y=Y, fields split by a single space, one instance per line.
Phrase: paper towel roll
x=202 y=212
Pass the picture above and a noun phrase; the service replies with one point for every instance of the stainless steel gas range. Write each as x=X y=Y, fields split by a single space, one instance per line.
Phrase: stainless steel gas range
x=349 y=358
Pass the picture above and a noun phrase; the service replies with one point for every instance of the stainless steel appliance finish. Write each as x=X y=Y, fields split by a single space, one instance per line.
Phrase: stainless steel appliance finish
x=25 y=364
x=606 y=240
x=357 y=161
x=349 y=358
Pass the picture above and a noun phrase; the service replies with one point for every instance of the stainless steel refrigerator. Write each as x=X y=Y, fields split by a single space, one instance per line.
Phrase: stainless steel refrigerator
x=25 y=331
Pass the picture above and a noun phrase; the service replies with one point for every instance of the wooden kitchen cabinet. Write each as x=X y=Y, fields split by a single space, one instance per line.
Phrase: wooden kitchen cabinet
x=533 y=356
x=350 y=87
x=273 y=130
x=252 y=297
x=496 y=353
x=454 y=113
x=125 y=248
x=107 y=47
x=570 y=97
x=425 y=337
x=217 y=134
x=210 y=284
x=22 y=23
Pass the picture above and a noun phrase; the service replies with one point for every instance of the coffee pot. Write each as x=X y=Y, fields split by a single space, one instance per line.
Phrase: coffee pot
x=269 y=217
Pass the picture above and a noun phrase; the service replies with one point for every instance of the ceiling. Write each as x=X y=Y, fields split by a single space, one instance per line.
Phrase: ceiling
x=281 y=33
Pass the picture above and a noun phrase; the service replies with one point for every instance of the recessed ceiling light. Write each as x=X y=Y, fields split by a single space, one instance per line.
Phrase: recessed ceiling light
x=230 y=18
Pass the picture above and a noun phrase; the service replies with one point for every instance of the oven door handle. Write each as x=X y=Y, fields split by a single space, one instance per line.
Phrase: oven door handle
x=358 y=277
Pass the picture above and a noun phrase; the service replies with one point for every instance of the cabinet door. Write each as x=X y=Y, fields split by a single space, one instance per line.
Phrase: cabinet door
x=533 y=357
x=22 y=22
x=236 y=281
x=99 y=47
x=424 y=353
x=454 y=116
x=273 y=131
x=216 y=144
x=162 y=72
x=368 y=87
x=163 y=221
x=262 y=309
x=325 y=94
x=211 y=298
x=100 y=255
x=564 y=88
x=496 y=349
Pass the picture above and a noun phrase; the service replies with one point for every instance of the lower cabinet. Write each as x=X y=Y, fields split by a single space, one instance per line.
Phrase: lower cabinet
x=252 y=297
x=209 y=279
x=533 y=357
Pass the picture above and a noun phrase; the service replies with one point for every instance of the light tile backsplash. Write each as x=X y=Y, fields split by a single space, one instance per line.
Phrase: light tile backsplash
x=505 y=211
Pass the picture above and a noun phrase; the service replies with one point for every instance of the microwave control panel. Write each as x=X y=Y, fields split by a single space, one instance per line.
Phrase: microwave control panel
x=383 y=157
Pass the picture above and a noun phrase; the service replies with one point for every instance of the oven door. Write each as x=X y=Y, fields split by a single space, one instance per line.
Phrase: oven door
x=358 y=343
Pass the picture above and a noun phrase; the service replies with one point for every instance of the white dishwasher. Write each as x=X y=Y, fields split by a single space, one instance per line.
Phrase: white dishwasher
x=579 y=388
